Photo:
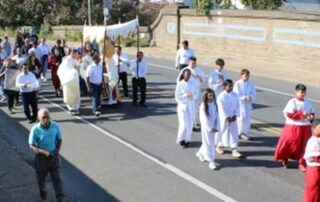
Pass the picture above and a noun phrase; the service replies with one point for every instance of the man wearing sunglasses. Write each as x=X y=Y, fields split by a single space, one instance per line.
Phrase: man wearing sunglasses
x=45 y=140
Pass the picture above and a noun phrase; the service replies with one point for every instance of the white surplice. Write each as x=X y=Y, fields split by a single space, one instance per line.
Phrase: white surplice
x=228 y=106
x=69 y=77
x=208 y=123
x=185 y=109
x=196 y=71
x=312 y=151
x=243 y=89
x=216 y=81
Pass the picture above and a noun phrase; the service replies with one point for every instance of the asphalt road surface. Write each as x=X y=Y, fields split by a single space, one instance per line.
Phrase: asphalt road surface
x=130 y=154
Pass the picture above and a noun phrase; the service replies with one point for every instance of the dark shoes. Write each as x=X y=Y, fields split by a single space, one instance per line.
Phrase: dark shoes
x=184 y=144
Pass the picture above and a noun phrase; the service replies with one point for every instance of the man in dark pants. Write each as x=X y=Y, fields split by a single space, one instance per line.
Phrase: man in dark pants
x=45 y=140
x=121 y=61
x=28 y=85
x=94 y=74
x=139 y=70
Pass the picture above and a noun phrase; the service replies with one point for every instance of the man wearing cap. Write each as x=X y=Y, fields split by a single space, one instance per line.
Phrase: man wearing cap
x=28 y=86
x=68 y=73
x=45 y=140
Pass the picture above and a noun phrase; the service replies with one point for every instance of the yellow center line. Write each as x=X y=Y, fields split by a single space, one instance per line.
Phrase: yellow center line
x=266 y=127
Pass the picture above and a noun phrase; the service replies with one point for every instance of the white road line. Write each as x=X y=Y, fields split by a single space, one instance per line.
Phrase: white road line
x=258 y=87
x=168 y=166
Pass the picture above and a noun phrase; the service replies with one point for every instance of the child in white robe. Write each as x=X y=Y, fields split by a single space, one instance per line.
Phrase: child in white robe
x=246 y=92
x=197 y=78
x=185 y=96
x=208 y=114
x=218 y=77
x=228 y=108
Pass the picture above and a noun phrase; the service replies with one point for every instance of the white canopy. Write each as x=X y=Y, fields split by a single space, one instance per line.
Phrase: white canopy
x=113 y=31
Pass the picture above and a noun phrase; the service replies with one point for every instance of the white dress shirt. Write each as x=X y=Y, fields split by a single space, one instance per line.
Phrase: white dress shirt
x=19 y=60
x=44 y=49
x=36 y=51
x=27 y=82
x=182 y=57
x=124 y=62
x=94 y=72
x=139 y=69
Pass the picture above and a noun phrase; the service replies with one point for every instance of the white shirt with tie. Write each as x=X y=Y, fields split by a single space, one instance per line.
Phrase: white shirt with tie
x=139 y=69
x=123 y=61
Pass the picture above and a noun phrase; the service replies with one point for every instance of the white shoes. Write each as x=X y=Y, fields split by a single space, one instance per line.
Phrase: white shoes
x=201 y=157
x=97 y=113
x=219 y=150
x=244 y=137
x=236 y=153
x=213 y=166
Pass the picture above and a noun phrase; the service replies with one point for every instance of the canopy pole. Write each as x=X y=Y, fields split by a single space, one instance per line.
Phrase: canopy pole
x=104 y=43
x=138 y=39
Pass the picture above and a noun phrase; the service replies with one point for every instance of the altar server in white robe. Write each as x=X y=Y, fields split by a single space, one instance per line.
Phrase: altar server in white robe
x=246 y=92
x=185 y=95
x=197 y=78
x=209 y=121
x=68 y=73
x=229 y=110
x=217 y=77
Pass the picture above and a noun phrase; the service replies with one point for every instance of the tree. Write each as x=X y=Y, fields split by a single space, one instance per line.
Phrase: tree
x=263 y=4
x=11 y=13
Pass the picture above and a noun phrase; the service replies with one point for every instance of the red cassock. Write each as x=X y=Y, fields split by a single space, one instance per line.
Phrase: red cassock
x=54 y=68
x=293 y=140
x=312 y=184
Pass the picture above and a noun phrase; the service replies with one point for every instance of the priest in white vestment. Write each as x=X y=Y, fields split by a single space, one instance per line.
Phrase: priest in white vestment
x=246 y=92
x=68 y=73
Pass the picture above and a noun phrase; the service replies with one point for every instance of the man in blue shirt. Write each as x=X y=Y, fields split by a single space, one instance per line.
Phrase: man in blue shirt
x=45 y=140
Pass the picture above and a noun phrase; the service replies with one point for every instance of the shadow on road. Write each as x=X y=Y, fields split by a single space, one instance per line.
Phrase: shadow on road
x=78 y=186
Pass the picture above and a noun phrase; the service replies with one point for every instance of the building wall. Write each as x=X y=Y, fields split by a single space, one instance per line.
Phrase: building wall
x=273 y=39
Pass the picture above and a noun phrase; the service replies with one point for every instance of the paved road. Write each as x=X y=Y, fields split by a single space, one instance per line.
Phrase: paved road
x=129 y=153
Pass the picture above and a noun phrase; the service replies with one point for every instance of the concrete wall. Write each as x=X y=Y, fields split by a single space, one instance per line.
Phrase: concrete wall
x=265 y=39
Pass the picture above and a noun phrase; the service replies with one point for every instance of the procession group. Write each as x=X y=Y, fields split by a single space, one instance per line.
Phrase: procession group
x=224 y=108
x=225 y=114
x=74 y=73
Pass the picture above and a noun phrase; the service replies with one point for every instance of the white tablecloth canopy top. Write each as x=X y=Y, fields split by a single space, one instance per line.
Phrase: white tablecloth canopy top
x=113 y=31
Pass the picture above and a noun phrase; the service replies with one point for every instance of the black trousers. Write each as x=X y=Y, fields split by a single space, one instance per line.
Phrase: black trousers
x=83 y=86
x=30 y=99
x=123 y=78
x=142 y=85
x=182 y=66
x=43 y=166
x=11 y=95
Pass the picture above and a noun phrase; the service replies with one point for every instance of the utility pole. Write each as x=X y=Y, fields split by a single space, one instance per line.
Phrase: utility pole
x=90 y=12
